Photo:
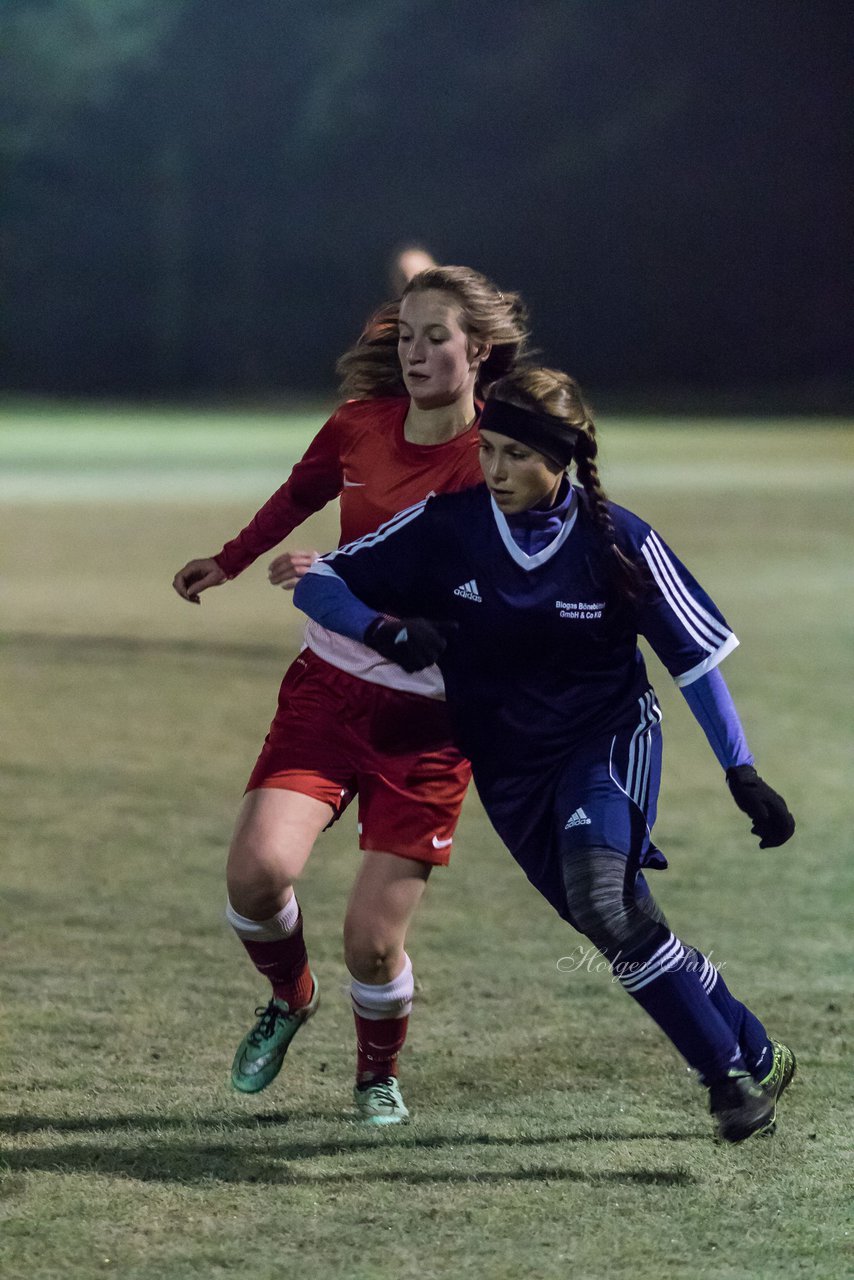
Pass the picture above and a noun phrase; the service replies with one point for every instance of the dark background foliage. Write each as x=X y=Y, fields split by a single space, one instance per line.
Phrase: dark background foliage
x=202 y=197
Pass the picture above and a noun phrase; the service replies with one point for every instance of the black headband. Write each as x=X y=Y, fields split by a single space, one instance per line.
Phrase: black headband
x=548 y=435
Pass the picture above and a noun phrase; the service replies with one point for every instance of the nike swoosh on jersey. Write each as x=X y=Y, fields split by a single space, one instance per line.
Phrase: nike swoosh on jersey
x=354 y=484
x=442 y=844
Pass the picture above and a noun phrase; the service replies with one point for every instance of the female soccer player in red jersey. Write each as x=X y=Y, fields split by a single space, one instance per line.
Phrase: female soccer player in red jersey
x=531 y=593
x=348 y=721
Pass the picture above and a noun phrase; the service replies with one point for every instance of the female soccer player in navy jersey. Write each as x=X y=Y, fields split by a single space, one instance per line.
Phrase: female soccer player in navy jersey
x=531 y=593
x=349 y=722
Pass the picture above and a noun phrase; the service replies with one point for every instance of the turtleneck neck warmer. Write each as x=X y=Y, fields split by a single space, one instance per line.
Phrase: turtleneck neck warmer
x=534 y=529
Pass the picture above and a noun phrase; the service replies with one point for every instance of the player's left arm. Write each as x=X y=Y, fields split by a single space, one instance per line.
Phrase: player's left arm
x=691 y=637
x=714 y=710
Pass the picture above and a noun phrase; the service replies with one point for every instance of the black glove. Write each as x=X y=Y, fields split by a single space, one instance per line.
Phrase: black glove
x=772 y=821
x=413 y=643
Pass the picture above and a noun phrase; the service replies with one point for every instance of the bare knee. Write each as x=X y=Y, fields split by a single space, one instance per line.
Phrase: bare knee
x=258 y=886
x=386 y=893
x=258 y=900
x=370 y=955
x=273 y=838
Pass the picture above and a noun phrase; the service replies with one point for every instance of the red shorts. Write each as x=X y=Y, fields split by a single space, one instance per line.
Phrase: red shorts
x=335 y=736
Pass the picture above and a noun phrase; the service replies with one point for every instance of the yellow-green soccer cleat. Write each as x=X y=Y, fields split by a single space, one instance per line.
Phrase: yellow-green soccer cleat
x=262 y=1050
x=740 y=1107
x=780 y=1076
x=380 y=1102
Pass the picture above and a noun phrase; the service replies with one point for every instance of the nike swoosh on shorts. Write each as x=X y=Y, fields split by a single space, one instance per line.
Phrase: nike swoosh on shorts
x=442 y=844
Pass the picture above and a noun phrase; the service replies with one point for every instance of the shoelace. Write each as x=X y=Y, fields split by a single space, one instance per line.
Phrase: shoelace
x=383 y=1092
x=267 y=1019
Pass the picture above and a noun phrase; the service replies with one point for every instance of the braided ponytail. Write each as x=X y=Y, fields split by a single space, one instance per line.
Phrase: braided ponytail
x=627 y=574
x=559 y=395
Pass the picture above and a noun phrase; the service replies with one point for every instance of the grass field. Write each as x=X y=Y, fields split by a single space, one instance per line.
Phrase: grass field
x=554 y=1132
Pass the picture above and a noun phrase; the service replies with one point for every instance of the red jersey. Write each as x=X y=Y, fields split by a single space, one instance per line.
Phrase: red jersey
x=362 y=455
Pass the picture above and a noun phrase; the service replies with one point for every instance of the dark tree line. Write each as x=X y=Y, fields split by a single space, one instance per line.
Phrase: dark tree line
x=202 y=196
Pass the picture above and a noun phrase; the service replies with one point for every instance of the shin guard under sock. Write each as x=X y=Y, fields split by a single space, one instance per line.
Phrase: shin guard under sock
x=277 y=950
x=756 y=1048
x=382 y=1016
x=675 y=998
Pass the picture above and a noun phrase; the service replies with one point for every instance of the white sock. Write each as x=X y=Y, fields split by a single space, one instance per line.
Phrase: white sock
x=391 y=1000
x=279 y=926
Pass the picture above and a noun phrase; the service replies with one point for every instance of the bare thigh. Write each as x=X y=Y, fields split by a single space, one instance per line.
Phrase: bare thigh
x=383 y=900
x=273 y=837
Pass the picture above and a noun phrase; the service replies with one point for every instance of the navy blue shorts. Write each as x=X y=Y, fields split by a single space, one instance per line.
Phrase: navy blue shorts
x=604 y=795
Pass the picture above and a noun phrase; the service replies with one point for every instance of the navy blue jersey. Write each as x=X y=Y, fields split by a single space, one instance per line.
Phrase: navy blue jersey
x=546 y=655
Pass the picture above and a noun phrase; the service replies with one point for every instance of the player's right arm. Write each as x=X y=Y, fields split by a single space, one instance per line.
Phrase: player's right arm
x=374 y=590
x=195 y=577
x=413 y=643
x=315 y=480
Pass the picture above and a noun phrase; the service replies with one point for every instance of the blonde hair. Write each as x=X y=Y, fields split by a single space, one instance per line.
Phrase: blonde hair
x=371 y=366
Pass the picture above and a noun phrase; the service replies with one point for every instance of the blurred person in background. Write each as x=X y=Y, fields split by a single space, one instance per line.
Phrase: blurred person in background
x=407 y=262
x=531 y=593
x=350 y=723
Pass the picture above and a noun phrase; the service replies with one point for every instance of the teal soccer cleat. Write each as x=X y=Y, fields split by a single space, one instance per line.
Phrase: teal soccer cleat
x=262 y=1050
x=380 y=1102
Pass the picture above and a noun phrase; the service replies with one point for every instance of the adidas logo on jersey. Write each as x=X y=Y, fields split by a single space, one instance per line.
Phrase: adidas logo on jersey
x=468 y=591
x=578 y=819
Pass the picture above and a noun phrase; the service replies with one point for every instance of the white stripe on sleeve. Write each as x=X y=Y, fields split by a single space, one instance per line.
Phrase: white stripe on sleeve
x=706 y=630
x=708 y=664
x=391 y=526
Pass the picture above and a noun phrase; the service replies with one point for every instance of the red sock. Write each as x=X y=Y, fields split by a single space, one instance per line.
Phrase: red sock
x=285 y=965
x=378 y=1042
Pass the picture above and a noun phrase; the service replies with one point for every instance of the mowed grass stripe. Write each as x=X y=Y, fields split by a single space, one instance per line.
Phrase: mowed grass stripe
x=150 y=482
x=554 y=1132
x=150 y=457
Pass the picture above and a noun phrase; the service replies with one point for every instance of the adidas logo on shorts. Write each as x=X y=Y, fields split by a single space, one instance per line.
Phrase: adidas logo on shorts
x=468 y=591
x=578 y=819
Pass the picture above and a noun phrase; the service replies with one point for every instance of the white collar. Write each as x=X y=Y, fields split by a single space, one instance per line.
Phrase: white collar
x=521 y=558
